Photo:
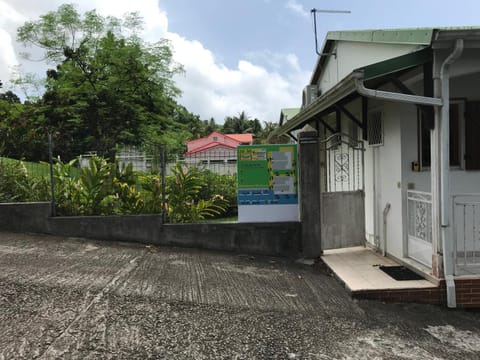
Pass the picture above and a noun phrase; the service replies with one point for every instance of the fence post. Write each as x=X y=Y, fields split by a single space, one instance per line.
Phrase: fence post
x=309 y=177
x=164 y=200
x=52 y=180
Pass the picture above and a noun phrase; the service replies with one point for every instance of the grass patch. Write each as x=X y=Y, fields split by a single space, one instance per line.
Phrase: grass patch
x=225 y=219
x=33 y=169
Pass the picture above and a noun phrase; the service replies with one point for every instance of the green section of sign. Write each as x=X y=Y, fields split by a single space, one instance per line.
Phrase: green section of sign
x=272 y=167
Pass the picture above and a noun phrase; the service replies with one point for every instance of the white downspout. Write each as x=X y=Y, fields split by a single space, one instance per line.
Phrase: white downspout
x=385 y=213
x=448 y=258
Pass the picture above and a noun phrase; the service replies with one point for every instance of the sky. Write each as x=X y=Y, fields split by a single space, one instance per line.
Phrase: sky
x=244 y=55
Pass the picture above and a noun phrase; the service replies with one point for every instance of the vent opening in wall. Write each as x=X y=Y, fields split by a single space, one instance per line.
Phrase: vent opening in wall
x=375 y=129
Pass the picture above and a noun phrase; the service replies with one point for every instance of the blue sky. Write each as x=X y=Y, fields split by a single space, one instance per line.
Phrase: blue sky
x=249 y=55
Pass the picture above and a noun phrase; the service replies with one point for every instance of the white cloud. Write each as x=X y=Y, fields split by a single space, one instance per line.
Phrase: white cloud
x=276 y=61
x=7 y=56
x=213 y=90
x=261 y=84
x=297 y=8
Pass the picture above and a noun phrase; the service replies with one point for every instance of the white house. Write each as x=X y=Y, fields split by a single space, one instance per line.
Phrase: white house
x=398 y=116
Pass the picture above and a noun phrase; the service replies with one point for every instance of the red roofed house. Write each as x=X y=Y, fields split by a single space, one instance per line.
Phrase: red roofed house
x=216 y=148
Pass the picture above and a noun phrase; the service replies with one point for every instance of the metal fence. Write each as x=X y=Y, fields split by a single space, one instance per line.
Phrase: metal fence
x=466 y=220
x=146 y=168
x=220 y=162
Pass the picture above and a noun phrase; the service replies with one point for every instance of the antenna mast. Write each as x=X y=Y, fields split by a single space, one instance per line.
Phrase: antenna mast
x=314 y=15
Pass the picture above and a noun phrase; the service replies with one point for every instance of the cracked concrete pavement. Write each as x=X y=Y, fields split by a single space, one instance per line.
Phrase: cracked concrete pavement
x=63 y=298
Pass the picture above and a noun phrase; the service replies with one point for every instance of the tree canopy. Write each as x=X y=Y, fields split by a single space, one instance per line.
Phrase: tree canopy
x=109 y=87
x=105 y=88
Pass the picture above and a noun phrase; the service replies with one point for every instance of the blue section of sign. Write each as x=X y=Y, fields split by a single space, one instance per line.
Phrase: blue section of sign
x=264 y=197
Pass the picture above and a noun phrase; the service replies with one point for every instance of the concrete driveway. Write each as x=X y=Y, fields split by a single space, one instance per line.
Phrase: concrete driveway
x=74 y=298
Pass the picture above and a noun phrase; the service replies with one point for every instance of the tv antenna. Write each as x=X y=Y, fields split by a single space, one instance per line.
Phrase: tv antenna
x=314 y=15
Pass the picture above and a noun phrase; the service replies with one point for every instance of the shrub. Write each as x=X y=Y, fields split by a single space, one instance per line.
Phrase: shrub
x=224 y=185
x=17 y=185
x=99 y=189
x=152 y=193
x=184 y=204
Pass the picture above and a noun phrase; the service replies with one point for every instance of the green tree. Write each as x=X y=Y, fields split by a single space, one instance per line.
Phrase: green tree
x=109 y=87
x=210 y=126
x=265 y=136
x=21 y=135
x=242 y=124
x=237 y=124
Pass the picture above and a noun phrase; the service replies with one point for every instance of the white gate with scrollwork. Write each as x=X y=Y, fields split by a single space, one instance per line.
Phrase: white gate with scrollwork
x=419 y=212
x=342 y=186
x=343 y=160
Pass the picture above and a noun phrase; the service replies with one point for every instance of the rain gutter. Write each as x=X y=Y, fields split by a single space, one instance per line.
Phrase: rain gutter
x=393 y=96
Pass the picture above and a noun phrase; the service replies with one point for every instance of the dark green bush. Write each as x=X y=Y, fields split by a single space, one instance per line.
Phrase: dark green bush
x=16 y=185
x=224 y=185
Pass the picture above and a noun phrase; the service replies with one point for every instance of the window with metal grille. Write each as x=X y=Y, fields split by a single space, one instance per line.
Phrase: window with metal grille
x=375 y=129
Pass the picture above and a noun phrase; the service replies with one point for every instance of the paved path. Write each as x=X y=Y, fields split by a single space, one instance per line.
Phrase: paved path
x=73 y=298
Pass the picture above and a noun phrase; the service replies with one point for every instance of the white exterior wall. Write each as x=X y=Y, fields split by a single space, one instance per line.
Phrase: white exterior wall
x=461 y=181
x=383 y=170
x=352 y=55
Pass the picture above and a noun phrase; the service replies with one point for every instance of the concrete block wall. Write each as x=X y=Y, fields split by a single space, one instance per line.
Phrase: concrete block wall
x=274 y=239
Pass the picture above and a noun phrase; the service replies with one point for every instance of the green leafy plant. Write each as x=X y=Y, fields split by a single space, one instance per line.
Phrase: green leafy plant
x=68 y=189
x=95 y=185
x=125 y=200
x=152 y=193
x=184 y=204
x=17 y=185
x=101 y=188
x=224 y=185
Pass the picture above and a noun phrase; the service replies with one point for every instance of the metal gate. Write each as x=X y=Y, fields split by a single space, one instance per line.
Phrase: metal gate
x=419 y=235
x=342 y=162
x=342 y=185
x=466 y=221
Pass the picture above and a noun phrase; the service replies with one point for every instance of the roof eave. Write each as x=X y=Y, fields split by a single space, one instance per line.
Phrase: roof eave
x=338 y=92
x=347 y=85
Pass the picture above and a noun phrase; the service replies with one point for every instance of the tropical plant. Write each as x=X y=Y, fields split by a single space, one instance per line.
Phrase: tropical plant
x=17 y=185
x=101 y=188
x=125 y=200
x=184 y=204
x=152 y=193
x=68 y=189
x=225 y=185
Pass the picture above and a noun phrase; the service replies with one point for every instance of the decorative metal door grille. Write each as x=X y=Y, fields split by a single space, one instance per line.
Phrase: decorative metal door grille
x=419 y=233
x=343 y=160
x=420 y=215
